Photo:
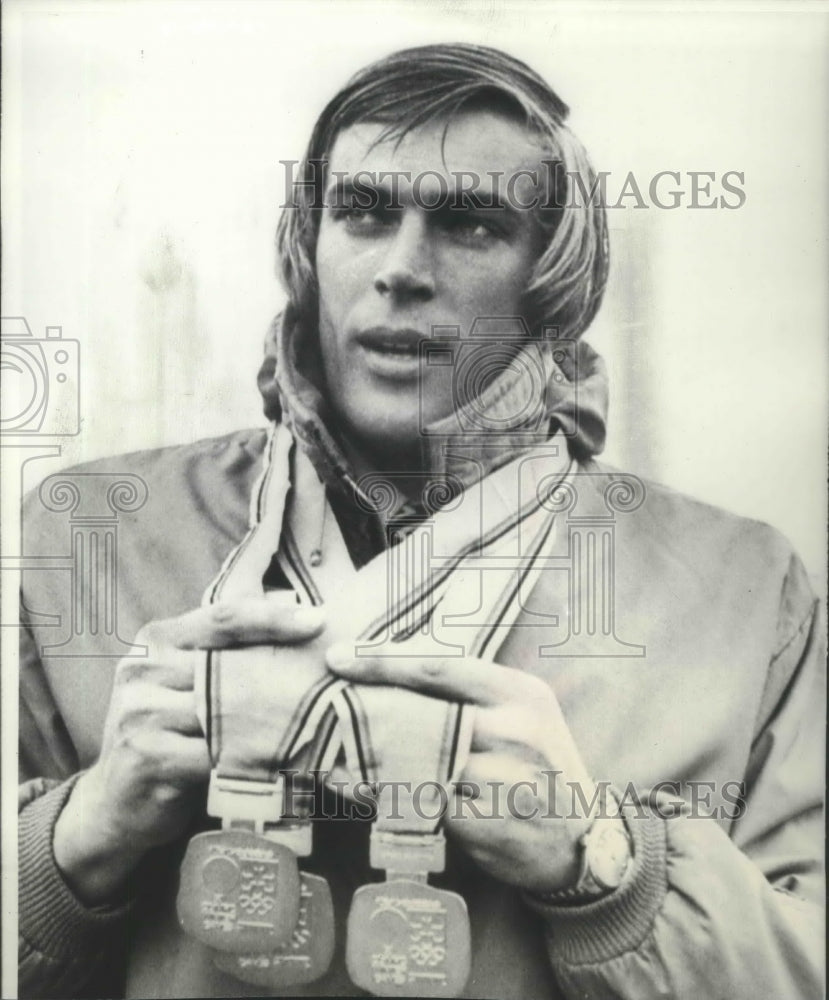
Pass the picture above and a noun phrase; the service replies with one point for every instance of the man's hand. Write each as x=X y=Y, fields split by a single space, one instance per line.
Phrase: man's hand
x=154 y=759
x=522 y=828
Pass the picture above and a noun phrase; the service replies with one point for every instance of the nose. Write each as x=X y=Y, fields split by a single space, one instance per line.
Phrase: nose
x=406 y=271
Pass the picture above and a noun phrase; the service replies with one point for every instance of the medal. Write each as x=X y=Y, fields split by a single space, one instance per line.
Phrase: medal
x=407 y=938
x=238 y=891
x=297 y=944
x=307 y=953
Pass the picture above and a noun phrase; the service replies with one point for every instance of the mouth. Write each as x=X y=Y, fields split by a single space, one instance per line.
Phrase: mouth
x=391 y=353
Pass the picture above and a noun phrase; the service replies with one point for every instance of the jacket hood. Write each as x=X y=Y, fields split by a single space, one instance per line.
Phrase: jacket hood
x=567 y=381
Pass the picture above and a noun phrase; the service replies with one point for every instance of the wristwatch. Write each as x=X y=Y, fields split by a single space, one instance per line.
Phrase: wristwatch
x=606 y=853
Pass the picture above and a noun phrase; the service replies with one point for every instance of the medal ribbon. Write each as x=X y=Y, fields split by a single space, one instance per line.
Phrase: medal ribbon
x=262 y=708
x=405 y=937
x=461 y=603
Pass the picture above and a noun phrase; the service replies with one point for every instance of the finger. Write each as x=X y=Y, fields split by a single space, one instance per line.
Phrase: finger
x=480 y=772
x=190 y=758
x=164 y=666
x=179 y=759
x=248 y=622
x=509 y=747
x=497 y=786
x=478 y=682
x=491 y=771
x=156 y=710
x=524 y=726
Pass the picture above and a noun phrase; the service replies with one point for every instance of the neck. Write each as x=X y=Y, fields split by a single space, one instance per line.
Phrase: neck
x=405 y=466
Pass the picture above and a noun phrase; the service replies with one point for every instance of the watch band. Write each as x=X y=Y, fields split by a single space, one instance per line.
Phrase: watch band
x=606 y=851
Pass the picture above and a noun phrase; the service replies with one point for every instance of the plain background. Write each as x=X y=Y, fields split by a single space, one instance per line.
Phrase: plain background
x=142 y=182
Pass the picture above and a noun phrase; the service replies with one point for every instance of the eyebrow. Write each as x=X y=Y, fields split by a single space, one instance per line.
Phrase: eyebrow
x=366 y=192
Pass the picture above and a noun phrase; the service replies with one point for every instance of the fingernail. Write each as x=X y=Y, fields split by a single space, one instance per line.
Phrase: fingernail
x=308 y=617
x=340 y=655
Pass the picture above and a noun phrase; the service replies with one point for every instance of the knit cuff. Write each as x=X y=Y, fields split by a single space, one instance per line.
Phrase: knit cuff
x=620 y=921
x=52 y=920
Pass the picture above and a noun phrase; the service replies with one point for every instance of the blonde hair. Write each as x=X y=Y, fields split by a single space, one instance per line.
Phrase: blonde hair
x=414 y=86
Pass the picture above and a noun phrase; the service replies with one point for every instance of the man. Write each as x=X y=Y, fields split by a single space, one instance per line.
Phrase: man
x=387 y=248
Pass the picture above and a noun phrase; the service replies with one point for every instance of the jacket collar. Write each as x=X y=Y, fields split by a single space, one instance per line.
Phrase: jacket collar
x=566 y=380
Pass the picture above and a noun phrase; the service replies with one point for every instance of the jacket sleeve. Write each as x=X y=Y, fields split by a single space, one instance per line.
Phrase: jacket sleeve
x=705 y=913
x=64 y=948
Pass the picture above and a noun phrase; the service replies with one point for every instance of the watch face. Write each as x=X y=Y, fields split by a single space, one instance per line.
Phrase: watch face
x=608 y=855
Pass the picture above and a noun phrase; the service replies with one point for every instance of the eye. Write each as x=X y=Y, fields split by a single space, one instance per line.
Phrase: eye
x=365 y=221
x=471 y=227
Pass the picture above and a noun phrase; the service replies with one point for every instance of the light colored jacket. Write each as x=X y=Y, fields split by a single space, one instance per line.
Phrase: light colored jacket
x=728 y=690
x=698 y=663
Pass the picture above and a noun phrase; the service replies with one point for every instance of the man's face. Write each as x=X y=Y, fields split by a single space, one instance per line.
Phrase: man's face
x=389 y=274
